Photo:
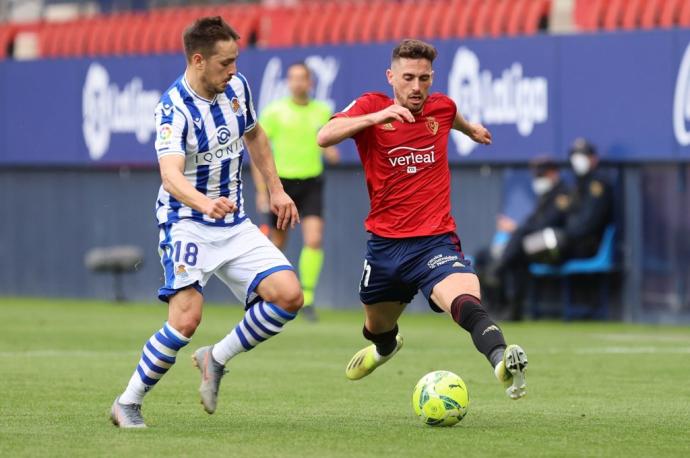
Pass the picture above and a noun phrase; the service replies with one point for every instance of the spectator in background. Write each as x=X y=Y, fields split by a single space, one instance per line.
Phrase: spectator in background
x=504 y=265
x=291 y=125
x=589 y=211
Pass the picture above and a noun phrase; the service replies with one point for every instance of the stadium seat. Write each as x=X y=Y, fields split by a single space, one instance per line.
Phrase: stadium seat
x=372 y=21
x=650 y=14
x=277 y=26
x=383 y=30
x=632 y=14
x=339 y=24
x=602 y=263
x=401 y=21
x=420 y=16
x=516 y=20
x=352 y=32
x=482 y=20
x=433 y=21
x=614 y=14
x=498 y=24
x=537 y=14
x=310 y=16
x=670 y=13
x=465 y=24
x=593 y=14
x=684 y=15
x=321 y=29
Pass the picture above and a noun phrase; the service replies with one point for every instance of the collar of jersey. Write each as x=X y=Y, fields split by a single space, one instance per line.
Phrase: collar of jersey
x=188 y=86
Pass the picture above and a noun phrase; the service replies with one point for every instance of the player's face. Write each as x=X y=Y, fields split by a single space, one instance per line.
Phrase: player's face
x=299 y=81
x=219 y=68
x=411 y=80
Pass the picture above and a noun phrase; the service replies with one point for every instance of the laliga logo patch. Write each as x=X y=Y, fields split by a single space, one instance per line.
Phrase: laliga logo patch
x=432 y=125
x=223 y=135
x=235 y=103
x=165 y=132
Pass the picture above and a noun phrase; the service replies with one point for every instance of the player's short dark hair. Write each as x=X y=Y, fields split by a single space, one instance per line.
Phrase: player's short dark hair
x=201 y=37
x=414 y=49
x=301 y=64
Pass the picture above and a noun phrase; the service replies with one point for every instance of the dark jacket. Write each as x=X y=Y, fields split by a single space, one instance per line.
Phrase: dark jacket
x=590 y=211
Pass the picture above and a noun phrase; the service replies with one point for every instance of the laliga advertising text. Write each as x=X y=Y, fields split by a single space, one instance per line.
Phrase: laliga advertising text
x=106 y=110
x=510 y=98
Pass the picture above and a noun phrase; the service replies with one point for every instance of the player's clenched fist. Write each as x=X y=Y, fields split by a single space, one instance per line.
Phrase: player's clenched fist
x=285 y=209
x=393 y=113
x=219 y=207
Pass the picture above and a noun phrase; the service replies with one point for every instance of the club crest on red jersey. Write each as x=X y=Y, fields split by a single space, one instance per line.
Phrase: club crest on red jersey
x=432 y=125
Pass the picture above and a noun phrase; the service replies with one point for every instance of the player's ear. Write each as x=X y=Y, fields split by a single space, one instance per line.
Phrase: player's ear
x=389 y=76
x=197 y=60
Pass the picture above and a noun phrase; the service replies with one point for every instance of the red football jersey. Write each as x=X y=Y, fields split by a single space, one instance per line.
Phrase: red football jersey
x=406 y=168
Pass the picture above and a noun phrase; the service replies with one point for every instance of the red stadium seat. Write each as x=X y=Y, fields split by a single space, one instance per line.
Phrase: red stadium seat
x=401 y=20
x=47 y=39
x=433 y=21
x=466 y=20
x=684 y=15
x=499 y=19
x=614 y=15
x=321 y=29
x=632 y=14
x=450 y=19
x=282 y=27
x=651 y=14
x=384 y=26
x=516 y=19
x=372 y=21
x=537 y=14
x=310 y=16
x=338 y=24
x=670 y=13
x=482 y=20
x=419 y=16
x=352 y=32
x=593 y=16
x=7 y=32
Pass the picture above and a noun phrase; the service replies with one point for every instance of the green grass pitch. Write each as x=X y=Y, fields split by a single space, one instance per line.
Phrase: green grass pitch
x=594 y=389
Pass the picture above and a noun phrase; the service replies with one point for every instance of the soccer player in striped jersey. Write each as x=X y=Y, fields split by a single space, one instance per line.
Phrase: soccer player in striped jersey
x=202 y=120
x=403 y=145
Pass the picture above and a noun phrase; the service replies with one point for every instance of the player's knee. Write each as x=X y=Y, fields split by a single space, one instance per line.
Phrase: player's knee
x=290 y=299
x=187 y=323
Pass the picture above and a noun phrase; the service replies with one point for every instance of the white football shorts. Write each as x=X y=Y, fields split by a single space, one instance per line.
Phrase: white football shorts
x=241 y=256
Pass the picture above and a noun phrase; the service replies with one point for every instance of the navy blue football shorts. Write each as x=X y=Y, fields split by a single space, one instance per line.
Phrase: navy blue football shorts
x=395 y=269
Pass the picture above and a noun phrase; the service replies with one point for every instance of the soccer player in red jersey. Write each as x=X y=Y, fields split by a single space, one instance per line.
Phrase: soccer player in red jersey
x=403 y=145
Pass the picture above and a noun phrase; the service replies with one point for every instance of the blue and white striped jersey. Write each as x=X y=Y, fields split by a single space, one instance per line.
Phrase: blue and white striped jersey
x=208 y=133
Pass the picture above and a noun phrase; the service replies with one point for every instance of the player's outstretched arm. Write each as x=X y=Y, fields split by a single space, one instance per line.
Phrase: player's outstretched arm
x=338 y=129
x=174 y=182
x=262 y=158
x=475 y=131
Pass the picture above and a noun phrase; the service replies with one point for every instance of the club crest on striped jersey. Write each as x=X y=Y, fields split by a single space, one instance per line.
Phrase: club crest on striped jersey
x=235 y=104
x=432 y=125
x=223 y=135
x=181 y=271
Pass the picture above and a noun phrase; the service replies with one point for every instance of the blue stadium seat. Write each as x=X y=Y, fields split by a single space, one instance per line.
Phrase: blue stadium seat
x=603 y=262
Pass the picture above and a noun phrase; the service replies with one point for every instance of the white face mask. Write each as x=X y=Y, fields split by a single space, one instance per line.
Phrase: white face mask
x=580 y=163
x=541 y=185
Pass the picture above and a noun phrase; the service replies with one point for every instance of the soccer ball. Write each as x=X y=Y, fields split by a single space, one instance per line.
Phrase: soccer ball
x=440 y=398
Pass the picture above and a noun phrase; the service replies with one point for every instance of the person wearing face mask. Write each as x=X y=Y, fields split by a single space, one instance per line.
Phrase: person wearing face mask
x=589 y=211
x=506 y=274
